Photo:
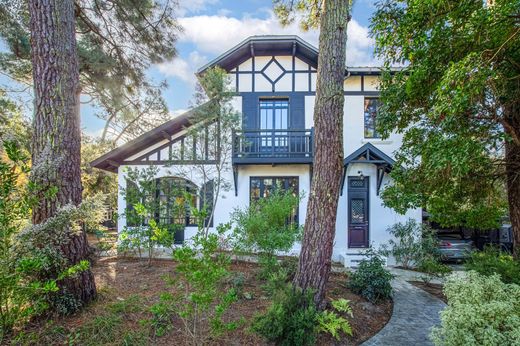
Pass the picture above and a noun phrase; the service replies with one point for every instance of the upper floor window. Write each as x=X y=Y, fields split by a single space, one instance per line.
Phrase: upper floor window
x=274 y=114
x=370 y=116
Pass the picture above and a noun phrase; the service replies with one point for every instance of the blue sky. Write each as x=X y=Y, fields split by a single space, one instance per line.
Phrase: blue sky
x=213 y=26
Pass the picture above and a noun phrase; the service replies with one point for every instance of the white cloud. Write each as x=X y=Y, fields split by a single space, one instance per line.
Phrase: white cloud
x=184 y=69
x=217 y=33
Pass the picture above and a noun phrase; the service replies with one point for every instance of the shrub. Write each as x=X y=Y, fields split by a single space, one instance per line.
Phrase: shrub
x=482 y=310
x=199 y=299
x=493 y=261
x=413 y=244
x=371 y=280
x=266 y=227
x=291 y=319
x=433 y=269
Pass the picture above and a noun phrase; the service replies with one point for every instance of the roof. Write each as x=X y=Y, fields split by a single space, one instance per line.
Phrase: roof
x=111 y=160
x=369 y=153
x=264 y=46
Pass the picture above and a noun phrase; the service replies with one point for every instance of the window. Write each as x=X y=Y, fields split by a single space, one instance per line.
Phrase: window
x=370 y=110
x=274 y=115
x=261 y=187
x=170 y=199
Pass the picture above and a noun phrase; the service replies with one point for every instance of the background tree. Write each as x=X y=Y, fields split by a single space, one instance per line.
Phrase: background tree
x=56 y=129
x=457 y=102
x=320 y=222
x=116 y=42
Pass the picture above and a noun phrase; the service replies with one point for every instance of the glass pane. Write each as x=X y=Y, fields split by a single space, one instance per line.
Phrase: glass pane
x=357 y=210
x=357 y=183
x=254 y=191
x=370 y=114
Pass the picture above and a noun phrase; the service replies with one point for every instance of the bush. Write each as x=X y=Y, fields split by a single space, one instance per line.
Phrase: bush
x=291 y=319
x=413 y=244
x=266 y=227
x=482 y=310
x=371 y=280
x=493 y=261
x=433 y=269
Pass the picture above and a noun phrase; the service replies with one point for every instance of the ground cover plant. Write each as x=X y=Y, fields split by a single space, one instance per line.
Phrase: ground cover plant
x=492 y=261
x=482 y=310
x=122 y=315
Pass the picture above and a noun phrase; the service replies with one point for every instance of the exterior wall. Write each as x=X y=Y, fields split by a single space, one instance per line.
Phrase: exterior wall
x=227 y=201
x=287 y=76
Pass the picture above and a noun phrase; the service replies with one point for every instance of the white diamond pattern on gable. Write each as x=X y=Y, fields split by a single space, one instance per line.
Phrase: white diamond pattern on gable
x=273 y=71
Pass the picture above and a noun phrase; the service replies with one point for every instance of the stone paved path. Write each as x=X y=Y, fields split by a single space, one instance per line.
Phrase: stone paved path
x=415 y=313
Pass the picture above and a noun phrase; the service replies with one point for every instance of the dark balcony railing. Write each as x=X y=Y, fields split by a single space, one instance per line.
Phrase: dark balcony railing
x=273 y=146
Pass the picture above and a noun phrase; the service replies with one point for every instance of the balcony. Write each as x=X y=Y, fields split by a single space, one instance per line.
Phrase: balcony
x=273 y=146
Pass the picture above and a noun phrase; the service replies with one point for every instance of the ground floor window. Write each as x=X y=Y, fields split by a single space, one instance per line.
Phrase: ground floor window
x=262 y=187
x=169 y=200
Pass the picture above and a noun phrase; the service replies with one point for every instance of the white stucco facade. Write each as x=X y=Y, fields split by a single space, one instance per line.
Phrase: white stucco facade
x=290 y=77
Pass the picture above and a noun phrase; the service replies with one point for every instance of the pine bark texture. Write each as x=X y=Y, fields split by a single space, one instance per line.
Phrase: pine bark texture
x=512 y=158
x=56 y=141
x=320 y=223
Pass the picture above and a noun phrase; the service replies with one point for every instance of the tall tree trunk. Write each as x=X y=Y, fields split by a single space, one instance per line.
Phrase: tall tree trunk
x=320 y=222
x=56 y=138
x=512 y=156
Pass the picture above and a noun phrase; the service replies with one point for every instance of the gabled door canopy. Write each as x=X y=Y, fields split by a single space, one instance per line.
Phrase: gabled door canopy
x=368 y=153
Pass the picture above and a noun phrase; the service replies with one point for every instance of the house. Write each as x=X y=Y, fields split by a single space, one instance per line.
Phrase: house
x=275 y=80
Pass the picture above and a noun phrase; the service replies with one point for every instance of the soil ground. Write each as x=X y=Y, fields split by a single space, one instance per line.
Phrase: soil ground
x=127 y=288
x=432 y=288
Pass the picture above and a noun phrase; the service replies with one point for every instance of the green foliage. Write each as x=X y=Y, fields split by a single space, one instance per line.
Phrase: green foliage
x=482 y=310
x=199 y=299
x=492 y=261
x=266 y=227
x=331 y=322
x=371 y=279
x=413 y=244
x=433 y=269
x=118 y=42
x=291 y=319
x=144 y=232
x=451 y=102
x=27 y=253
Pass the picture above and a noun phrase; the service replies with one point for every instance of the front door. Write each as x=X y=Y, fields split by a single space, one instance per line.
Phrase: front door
x=358 y=212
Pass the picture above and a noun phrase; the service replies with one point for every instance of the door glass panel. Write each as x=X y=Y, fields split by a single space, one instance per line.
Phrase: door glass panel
x=357 y=210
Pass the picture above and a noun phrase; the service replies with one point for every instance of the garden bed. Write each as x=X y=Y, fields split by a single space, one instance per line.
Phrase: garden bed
x=127 y=288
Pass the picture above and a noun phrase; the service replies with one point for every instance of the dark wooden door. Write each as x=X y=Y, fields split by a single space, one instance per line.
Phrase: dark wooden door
x=358 y=210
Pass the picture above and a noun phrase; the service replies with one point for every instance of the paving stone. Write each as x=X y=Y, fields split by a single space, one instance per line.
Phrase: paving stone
x=415 y=313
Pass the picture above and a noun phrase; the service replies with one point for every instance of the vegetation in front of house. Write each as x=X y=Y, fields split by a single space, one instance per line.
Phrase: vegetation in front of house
x=267 y=227
x=415 y=246
x=492 y=261
x=456 y=101
x=31 y=267
x=482 y=310
x=371 y=279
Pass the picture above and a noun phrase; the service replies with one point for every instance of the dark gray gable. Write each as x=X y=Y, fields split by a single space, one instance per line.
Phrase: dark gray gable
x=265 y=46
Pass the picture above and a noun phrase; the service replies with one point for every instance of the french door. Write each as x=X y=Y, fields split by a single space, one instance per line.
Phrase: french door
x=274 y=115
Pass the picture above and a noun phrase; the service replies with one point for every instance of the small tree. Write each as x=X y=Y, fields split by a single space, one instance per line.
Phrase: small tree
x=214 y=121
x=413 y=243
x=145 y=229
x=267 y=226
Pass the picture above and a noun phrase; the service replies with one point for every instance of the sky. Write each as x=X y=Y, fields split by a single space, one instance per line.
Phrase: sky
x=213 y=26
